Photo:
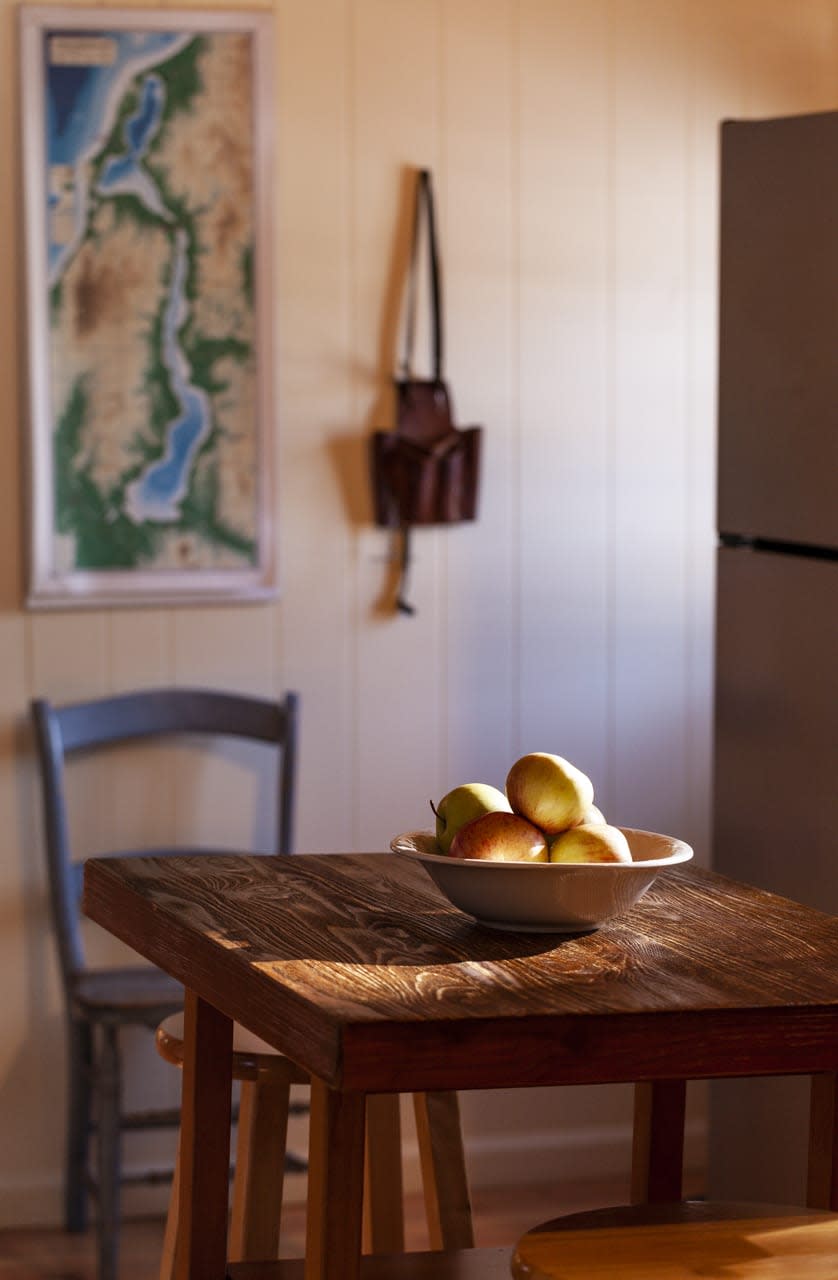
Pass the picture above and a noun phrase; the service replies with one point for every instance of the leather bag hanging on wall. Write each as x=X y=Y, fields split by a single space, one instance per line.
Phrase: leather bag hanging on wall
x=426 y=471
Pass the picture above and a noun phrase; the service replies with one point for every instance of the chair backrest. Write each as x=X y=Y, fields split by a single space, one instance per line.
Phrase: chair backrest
x=93 y=725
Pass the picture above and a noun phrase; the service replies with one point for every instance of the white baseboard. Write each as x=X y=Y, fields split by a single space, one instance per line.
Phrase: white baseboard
x=587 y=1154
x=584 y=1155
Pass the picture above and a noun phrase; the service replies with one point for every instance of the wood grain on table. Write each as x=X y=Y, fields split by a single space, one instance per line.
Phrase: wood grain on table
x=399 y=979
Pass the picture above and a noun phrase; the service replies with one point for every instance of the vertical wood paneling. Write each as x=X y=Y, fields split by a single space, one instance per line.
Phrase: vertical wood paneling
x=647 y=741
x=564 y=488
x=321 y=459
x=395 y=126
x=220 y=798
x=140 y=785
x=574 y=145
x=479 y=265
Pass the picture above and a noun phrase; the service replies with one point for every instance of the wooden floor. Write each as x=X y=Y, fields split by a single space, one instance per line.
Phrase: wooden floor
x=501 y=1215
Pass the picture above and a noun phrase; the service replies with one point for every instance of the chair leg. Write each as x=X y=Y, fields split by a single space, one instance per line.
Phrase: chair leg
x=168 y=1257
x=383 y=1203
x=108 y=1154
x=442 y=1158
x=260 y=1164
x=260 y=1169
x=80 y=1059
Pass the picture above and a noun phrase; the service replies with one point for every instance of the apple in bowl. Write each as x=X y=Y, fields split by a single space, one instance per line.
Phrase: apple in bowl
x=500 y=837
x=590 y=842
x=549 y=791
x=463 y=805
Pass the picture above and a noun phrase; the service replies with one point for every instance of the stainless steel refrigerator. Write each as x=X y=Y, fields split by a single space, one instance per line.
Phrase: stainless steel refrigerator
x=776 y=726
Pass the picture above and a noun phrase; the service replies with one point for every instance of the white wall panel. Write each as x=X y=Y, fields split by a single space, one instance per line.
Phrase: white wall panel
x=395 y=114
x=478 y=227
x=564 y=487
x=648 y=462
x=320 y=454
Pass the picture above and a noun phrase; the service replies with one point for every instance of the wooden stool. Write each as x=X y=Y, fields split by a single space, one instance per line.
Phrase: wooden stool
x=266 y=1078
x=682 y=1241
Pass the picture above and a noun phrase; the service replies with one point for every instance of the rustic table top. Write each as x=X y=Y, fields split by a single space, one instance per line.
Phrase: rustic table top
x=357 y=968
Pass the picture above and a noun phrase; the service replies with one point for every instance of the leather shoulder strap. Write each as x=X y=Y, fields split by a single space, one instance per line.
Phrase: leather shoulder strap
x=424 y=204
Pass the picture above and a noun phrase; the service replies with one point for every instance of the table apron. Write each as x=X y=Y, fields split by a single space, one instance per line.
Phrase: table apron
x=589 y=1049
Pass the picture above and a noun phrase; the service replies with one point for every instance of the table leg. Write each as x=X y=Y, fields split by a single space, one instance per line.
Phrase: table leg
x=822 y=1187
x=335 y=1184
x=204 y=1142
x=383 y=1199
x=658 y=1152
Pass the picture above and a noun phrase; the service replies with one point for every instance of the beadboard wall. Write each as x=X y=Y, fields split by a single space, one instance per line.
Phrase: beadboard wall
x=574 y=145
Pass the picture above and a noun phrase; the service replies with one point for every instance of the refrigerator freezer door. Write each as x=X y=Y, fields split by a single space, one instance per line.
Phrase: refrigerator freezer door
x=778 y=351
x=775 y=814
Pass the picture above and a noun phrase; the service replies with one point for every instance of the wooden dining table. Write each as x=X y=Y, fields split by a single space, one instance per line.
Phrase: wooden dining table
x=356 y=968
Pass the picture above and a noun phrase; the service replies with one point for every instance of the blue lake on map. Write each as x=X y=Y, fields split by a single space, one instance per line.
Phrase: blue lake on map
x=155 y=496
x=82 y=101
x=125 y=175
x=139 y=129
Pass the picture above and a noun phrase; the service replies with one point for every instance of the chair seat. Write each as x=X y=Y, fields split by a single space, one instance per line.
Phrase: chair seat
x=133 y=991
x=252 y=1058
x=681 y=1241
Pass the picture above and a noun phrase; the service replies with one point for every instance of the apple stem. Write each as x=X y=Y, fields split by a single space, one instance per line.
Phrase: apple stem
x=433 y=806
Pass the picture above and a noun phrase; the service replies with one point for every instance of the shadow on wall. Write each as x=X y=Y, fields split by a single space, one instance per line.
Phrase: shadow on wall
x=350 y=452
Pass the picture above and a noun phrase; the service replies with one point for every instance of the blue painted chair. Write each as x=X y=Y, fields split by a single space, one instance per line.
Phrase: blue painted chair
x=101 y=1003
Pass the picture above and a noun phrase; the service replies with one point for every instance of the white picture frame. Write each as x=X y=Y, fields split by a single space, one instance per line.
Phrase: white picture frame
x=148 y=172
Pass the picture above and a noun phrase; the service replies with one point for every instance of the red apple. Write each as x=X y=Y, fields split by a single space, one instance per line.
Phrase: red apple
x=500 y=837
x=590 y=842
x=549 y=791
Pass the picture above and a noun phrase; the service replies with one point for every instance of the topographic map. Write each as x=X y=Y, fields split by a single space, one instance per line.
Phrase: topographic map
x=151 y=317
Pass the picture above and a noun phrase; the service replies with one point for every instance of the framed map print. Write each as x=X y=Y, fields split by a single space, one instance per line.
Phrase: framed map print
x=147 y=171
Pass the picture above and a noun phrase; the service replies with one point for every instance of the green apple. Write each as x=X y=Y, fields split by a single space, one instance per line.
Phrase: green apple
x=549 y=791
x=590 y=842
x=463 y=805
x=500 y=837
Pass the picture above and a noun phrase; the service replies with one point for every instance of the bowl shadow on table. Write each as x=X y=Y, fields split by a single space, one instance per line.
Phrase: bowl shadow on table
x=363 y=897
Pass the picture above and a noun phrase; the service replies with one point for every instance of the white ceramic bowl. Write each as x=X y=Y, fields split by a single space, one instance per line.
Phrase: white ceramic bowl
x=545 y=897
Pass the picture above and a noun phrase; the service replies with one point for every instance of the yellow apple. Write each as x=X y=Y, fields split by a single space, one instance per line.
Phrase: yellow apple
x=500 y=837
x=590 y=842
x=594 y=815
x=463 y=805
x=549 y=791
